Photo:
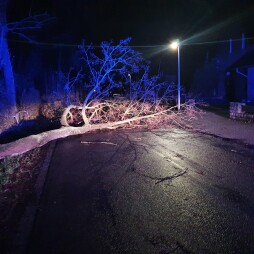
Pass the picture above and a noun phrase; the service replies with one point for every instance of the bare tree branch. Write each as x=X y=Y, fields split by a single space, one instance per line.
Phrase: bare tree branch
x=23 y=26
x=29 y=23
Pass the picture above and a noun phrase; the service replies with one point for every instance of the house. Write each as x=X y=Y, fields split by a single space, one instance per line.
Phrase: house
x=240 y=78
x=228 y=74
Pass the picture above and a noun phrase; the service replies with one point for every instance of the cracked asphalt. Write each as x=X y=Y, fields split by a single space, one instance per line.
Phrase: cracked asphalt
x=161 y=191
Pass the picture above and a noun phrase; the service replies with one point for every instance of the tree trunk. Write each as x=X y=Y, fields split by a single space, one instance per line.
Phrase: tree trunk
x=5 y=60
x=28 y=143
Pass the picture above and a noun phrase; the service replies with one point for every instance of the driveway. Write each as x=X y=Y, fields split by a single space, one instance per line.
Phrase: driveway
x=162 y=191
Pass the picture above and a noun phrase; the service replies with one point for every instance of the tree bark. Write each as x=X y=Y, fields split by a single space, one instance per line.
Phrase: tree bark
x=5 y=59
x=28 y=143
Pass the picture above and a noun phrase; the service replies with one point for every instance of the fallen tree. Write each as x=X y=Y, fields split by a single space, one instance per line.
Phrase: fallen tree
x=147 y=103
x=169 y=116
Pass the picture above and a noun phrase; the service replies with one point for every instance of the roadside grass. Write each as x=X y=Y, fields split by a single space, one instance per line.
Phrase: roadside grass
x=17 y=177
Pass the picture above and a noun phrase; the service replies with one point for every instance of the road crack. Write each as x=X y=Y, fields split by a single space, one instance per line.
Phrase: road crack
x=167 y=245
x=167 y=178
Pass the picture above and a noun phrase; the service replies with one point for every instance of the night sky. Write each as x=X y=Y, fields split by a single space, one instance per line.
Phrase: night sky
x=149 y=23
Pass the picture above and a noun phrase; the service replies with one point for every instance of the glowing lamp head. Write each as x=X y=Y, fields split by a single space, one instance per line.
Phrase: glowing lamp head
x=174 y=44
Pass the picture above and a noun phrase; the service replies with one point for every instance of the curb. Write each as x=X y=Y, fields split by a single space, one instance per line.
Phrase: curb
x=26 y=223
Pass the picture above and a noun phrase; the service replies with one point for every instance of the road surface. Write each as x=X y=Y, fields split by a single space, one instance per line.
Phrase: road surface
x=161 y=191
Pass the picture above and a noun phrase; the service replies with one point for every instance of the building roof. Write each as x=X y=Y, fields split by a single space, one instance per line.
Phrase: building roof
x=245 y=61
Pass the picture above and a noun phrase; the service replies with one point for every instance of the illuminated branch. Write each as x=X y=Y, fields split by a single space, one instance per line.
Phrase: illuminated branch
x=110 y=68
x=69 y=82
x=105 y=71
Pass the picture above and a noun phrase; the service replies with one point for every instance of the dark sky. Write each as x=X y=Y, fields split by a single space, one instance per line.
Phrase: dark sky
x=148 y=22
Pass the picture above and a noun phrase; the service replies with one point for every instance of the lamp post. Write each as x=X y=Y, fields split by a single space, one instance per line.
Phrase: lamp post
x=129 y=75
x=176 y=45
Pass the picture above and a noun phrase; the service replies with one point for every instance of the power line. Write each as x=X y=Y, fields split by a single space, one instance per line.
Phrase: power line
x=54 y=44
x=184 y=43
x=216 y=42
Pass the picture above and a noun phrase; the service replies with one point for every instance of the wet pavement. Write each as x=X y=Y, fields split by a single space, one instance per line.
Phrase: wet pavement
x=162 y=191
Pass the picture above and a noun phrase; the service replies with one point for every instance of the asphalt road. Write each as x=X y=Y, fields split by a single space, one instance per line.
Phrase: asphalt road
x=163 y=191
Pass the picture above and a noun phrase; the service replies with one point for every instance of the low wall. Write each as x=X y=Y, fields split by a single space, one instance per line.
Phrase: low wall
x=239 y=111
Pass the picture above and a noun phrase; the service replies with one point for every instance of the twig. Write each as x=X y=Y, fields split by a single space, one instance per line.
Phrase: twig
x=100 y=142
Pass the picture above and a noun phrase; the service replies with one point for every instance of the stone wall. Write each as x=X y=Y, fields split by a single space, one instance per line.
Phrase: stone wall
x=239 y=111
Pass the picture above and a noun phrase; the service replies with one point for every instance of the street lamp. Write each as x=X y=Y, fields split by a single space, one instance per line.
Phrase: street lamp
x=176 y=45
x=129 y=75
